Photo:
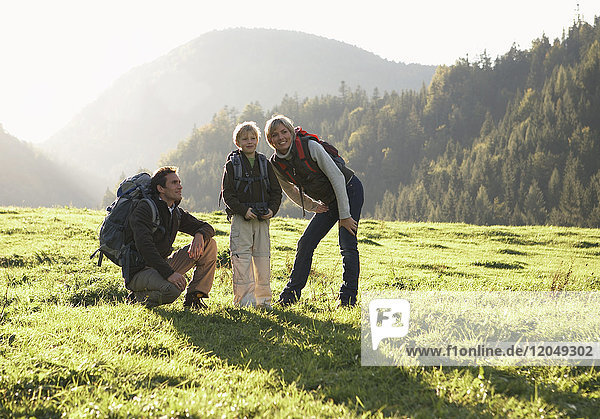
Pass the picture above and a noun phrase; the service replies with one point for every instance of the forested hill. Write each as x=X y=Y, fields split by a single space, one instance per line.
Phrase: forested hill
x=514 y=140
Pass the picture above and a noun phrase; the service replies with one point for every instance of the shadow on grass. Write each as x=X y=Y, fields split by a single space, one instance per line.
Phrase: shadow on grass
x=500 y=265
x=525 y=384
x=320 y=357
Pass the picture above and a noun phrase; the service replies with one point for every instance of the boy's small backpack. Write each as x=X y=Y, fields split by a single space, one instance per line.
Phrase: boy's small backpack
x=304 y=155
x=131 y=191
x=238 y=173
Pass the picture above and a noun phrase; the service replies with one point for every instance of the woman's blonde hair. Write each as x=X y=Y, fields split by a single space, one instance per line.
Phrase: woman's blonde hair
x=276 y=120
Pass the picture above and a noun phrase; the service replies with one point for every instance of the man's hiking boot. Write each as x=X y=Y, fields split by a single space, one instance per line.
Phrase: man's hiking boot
x=194 y=300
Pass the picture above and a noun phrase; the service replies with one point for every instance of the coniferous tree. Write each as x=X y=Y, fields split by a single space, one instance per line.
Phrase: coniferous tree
x=534 y=206
x=571 y=207
x=554 y=187
x=108 y=198
x=483 y=207
x=594 y=217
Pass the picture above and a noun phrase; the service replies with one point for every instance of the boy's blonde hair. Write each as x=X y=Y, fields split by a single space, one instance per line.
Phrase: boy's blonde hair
x=245 y=126
x=276 y=120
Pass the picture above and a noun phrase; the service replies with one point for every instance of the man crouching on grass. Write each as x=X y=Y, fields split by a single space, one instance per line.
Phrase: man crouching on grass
x=158 y=277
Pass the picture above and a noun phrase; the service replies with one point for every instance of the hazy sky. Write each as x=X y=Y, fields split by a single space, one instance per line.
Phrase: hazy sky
x=56 y=56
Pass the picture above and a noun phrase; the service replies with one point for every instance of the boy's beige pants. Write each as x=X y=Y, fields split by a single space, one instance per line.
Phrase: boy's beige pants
x=250 y=246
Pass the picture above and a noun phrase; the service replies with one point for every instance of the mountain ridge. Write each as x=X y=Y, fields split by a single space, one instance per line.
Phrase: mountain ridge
x=29 y=178
x=152 y=107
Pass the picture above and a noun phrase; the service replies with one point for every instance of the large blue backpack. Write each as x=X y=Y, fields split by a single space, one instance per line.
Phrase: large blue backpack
x=131 y=192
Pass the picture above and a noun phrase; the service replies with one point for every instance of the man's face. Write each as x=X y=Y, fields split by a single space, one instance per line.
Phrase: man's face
x=247 y=142
x=280 y=138
x=171 y=192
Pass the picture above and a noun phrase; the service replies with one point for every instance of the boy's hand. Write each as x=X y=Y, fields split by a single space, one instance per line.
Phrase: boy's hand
x=250 y=215
x=267 y=215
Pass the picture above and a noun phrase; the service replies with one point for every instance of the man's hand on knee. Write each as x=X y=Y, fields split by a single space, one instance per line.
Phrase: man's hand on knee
x=197 y=247
x=178 y=280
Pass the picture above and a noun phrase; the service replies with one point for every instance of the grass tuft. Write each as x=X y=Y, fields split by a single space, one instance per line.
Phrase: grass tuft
x=224 y=259
x=561 y=279
x=283 y=248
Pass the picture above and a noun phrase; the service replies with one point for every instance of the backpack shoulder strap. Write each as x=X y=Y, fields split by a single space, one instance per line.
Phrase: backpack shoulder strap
x=236 y=161
x=304 y=152
x=283 y=168
x=305 y=156
x=264 y=170
x=155 y=215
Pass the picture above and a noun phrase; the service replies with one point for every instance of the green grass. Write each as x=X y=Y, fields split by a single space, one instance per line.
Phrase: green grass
x=70 y=346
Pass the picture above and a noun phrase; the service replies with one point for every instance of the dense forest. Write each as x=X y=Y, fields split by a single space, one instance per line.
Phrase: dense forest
x=514 y=140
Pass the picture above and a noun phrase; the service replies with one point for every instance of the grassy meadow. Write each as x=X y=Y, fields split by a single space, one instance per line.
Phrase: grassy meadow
x=70 y=346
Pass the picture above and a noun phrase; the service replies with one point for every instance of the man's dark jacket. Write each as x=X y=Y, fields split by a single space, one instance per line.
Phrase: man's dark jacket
x=154 y=248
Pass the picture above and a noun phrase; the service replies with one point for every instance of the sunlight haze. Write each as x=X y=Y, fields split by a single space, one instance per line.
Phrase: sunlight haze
x=58 y=56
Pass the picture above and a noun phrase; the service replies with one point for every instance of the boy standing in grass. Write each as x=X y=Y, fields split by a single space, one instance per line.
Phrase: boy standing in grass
x=252 y=196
